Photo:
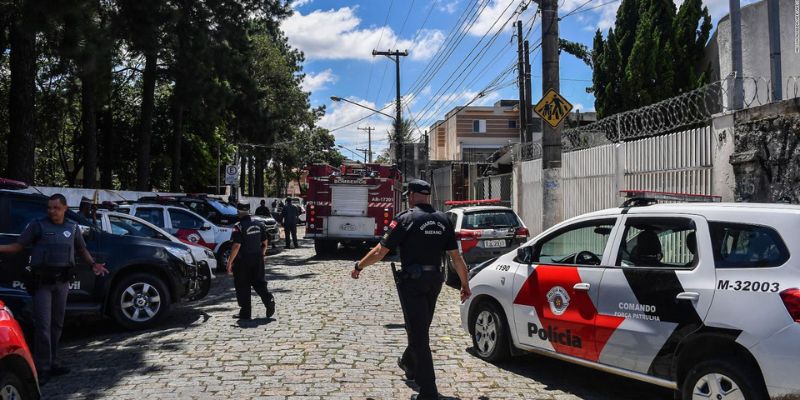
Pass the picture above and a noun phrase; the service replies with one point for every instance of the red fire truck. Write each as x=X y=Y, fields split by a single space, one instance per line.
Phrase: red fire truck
x=352 y=204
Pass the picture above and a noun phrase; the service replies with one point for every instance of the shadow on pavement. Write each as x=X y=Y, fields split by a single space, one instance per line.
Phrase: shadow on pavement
x=581 y=381
x=253 y=323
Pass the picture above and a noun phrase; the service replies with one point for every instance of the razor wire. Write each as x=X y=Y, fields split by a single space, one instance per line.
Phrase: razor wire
x=684 y=111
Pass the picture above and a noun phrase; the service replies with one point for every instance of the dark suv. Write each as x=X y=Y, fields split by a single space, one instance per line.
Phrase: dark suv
x=146 y=275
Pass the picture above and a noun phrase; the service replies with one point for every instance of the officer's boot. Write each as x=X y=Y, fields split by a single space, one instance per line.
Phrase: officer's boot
x=269 y=302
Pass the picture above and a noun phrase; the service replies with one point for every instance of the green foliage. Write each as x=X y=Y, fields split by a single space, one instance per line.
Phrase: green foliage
x=650 y=54
x=223 y=73
x=578 y=50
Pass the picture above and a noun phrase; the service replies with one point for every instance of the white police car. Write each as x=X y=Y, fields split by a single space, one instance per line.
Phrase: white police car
x=700 y=298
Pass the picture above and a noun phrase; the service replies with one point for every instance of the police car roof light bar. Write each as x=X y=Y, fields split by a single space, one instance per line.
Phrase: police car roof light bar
x=464 y=203
x=670 y=196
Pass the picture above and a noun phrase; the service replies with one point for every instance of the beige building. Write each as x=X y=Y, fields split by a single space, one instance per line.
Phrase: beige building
x=473 y=133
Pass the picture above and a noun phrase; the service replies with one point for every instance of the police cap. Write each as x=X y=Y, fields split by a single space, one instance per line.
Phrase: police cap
x=418 y=186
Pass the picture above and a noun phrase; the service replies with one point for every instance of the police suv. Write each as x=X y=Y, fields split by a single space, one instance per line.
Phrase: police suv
x=700 y=298
x=146 y=276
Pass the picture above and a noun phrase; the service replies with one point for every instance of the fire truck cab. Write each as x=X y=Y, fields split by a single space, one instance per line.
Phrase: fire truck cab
x=352 y=204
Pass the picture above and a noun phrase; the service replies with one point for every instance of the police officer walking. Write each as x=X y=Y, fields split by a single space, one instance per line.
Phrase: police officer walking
x=246 y=263
x=289 y=216
x=422 y=234
x=55 y=242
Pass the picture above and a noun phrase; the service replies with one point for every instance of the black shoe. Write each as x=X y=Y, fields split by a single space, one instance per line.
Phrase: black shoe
x=59 y=370
x=409 y=373
x=239 y=316
x=270 y=306
x=421 y=397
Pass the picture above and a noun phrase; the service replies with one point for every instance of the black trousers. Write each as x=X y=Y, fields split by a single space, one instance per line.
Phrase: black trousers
x=419 y=298
x=290 y=230
x=248 y=271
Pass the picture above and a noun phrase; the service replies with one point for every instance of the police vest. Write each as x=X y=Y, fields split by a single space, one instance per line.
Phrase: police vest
x=253 y=234
x=55 y=246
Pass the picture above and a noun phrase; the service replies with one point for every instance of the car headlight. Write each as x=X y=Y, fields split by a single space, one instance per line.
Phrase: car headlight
x=209 y=253
x=181 y=254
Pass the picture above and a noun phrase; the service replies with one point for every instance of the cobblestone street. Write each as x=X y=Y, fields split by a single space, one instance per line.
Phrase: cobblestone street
x=332 y=337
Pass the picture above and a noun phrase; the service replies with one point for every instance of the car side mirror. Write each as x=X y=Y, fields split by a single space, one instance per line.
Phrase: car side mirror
x=206 y=227
x=86 y=231
x=524 y=255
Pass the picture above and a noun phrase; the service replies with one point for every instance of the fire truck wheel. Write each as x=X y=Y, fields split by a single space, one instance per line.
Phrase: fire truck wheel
x=319 y=246
x=331 y=246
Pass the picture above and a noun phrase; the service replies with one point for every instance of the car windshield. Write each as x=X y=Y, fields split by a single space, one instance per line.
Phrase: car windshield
x=490 y=220
x=223 y=208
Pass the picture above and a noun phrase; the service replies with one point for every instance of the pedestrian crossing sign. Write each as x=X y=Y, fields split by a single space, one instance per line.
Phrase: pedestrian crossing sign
x=553 y=108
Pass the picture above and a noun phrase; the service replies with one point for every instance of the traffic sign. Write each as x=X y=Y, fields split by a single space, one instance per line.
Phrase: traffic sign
x=231 y=174
x=553 y=108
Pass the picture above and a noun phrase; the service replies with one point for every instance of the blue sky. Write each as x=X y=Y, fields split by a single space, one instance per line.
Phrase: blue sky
x=338 y=37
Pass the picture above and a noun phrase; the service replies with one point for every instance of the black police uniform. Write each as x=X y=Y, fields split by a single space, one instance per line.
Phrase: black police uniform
x=263 y=211
x=422 y=234
x=289 y=216
x=248 y=268
x=52 y=258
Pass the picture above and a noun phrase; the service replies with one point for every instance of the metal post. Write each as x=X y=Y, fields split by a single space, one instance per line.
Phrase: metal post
x=523 y=109
x=528 y=94
x=219 y=168
x=737 y=96
x=774 y=17
x=369 y=130
x=398 y=117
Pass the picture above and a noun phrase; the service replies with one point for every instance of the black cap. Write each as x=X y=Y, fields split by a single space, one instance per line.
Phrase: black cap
x=418 y=186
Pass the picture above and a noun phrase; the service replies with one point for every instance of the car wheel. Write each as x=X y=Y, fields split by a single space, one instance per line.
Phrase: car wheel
x=204 y=277
x=319 y=247
x=450 y=276
x=12 y=386
x=489 y=332
x=332 y=246
x=139 y=301
x=222 y=258
x=723 y=379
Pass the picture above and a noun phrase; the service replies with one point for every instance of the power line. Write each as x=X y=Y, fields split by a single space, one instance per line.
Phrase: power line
x=591 y=8
x=372 y=65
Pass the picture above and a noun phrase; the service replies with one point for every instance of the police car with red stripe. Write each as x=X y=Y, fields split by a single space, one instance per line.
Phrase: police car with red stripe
x=702 y=298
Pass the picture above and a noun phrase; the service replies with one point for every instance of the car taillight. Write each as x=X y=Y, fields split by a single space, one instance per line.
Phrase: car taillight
x=469 y=239
x=523 y=232
x=791 y=299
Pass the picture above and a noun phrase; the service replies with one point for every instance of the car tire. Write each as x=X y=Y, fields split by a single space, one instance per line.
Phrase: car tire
x=204 y=275
x=450 y=276
x=12 y=386
x=319 y=247
x=331 y=246
x=489 y=332
x=732 y=377
x=139 y=301
x=222 y=258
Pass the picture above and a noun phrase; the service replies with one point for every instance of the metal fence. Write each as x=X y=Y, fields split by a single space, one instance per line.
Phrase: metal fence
x=442 y=187
x=495 y=187
x=588 y=180
x=528 y=193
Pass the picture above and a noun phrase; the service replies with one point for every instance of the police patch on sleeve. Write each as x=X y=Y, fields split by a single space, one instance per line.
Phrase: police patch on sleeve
x=67 y=234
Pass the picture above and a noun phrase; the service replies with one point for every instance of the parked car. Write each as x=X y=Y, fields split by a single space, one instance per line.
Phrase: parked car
x=20 y=302
x=125 y=224
x=18 y=379
x=187 y=225
x=146 y=276
x=700 y=298
x=483 y=233
x=213 y=209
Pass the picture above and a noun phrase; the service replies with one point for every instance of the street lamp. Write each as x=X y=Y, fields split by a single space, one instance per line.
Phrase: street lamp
x=337 y=99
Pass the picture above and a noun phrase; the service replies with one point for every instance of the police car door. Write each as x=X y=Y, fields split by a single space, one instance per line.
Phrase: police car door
x=190 y=227
x=659 y=290
x=554 y=305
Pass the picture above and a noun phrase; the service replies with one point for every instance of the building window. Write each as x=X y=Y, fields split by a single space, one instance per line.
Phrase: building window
x=512 y=124
x=479 y=126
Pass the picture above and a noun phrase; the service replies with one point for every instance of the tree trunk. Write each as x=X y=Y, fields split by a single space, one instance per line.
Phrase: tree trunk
x=146 y=121
x=243 y=173
x=89 y=120
x=259 y=174
x=177 y=143
x=21 y=102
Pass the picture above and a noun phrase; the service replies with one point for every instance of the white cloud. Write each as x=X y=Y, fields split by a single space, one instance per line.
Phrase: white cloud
x=300 y=3
x=313 y=82
x=337 y=35
x=496 y=11
x=447 y=6
x=342 y=113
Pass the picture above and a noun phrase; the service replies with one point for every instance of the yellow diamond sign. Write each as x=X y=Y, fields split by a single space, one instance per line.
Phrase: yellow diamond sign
x=553 y=108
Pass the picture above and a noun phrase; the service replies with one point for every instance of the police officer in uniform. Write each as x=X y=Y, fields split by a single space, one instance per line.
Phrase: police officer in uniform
x=289 y=216
x=250 y=243
x=262 y=210
x=422 y=234
x=55 y=242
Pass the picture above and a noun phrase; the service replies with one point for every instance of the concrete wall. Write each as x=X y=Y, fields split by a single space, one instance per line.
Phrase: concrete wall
x=755 y=49
x=766 y=158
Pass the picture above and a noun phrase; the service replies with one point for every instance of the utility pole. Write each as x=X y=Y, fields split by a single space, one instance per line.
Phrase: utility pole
x=523 y=110
x=528 y=93
x=551 y=137
x=737 y=97
x=365 y=151
x=398 y=118
x=369 y=130
x=219 y=167
x=774 y=21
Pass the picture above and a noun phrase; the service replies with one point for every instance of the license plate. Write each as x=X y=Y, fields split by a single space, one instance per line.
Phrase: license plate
x=491 y=244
